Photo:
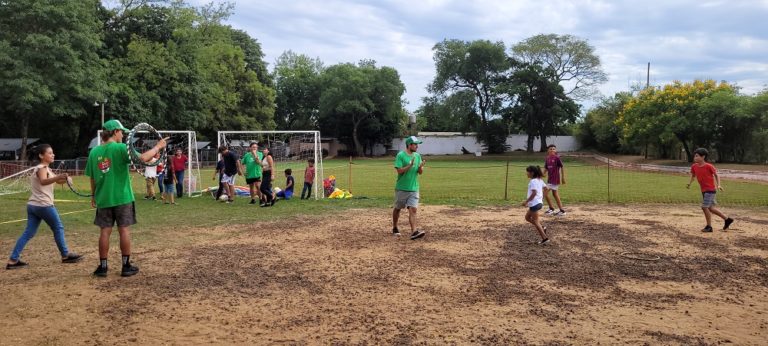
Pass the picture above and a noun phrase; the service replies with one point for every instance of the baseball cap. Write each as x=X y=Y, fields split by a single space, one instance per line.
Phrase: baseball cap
x=114 y=124
x=412 y=140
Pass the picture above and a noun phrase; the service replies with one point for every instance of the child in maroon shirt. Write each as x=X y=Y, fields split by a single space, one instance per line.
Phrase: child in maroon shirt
x=555 y=173
x=709 y=182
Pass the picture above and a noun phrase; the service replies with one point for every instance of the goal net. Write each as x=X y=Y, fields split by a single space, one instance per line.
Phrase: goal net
x=184 y=140
x=289 y=149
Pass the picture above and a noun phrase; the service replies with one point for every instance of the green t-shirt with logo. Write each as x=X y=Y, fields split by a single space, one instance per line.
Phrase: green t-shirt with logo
x=408 y=181
x=108 y=166
x=252 y=165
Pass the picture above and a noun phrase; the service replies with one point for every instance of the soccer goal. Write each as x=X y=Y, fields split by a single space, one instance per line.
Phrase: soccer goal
x=15 y=178
x=184 y=140
x=289 y=149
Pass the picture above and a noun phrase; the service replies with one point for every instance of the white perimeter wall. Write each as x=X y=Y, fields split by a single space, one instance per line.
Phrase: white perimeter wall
x=450 y=145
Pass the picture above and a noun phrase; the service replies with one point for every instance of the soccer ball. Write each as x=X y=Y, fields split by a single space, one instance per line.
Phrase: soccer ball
x=223 y=197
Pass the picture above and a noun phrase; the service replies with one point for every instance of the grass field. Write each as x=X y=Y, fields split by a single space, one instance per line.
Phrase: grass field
x=461 y=181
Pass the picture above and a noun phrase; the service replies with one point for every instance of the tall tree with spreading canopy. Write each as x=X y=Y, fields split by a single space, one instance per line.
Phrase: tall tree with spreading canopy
x=477 y=66
x=297 y=87
x=361 y=104
x=48 y=62
x=541 y=106
x=571 y=61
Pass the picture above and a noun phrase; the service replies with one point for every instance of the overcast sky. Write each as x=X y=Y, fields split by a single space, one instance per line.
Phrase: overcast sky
x=682 y=39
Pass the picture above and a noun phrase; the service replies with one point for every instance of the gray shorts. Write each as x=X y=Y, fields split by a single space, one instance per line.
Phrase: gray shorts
x=406 y=199
x=708 y=199
x=124 y=215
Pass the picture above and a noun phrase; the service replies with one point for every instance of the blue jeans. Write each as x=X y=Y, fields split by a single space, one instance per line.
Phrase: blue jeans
x=36 y=214
x=308 y=189
x=160 y=182
x=179 y=183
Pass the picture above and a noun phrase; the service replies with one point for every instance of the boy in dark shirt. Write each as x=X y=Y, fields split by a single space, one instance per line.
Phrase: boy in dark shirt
x=288 y=192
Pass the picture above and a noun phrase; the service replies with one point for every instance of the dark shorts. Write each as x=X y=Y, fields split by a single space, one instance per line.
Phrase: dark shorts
x=536 y=207
x=250 y=181
x=122 y=215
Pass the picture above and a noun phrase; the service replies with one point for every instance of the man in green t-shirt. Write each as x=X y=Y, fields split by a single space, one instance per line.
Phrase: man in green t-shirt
x=409 y=165
x=108 y=168
x=252 y=163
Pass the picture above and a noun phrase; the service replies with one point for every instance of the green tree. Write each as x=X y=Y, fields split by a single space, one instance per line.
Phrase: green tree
x=571 y=61
x=48 y=62
x=361 y=104
x=297 y=87
x=599 y=129
x=476 y=66
x=541 y=108
x=451 y=113
x=672 y=114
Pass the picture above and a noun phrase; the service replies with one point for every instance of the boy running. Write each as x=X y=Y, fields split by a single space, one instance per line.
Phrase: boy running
x=709 y=182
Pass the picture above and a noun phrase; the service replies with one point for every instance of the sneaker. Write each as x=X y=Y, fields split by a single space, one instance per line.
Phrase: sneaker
x=396 y=232
x=129 y=270
x=154 y=198
x=72 y=258
x=274 y=200
x=100 y=271
x=417 y=234
x=550 y=212
x=253 y=201
x=229 y=201
x=707 y=229
x=264 y=205
x=560 y=213
x=543 y=241
x=728 y=223
x=17 y=265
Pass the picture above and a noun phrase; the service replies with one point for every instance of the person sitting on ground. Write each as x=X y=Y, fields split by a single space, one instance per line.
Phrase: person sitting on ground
x=287 y=193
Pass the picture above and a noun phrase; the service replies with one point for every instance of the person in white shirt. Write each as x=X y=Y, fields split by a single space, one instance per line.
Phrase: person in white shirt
x=535 y=201
x=150 y=175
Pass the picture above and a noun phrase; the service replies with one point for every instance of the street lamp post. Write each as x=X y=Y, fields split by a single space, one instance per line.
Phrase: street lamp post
x=96 y=104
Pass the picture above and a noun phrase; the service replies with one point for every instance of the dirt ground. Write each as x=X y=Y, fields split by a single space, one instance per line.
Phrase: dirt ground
x=476 y=278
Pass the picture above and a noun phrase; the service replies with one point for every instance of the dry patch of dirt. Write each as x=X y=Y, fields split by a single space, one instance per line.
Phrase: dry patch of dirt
x=477 y=277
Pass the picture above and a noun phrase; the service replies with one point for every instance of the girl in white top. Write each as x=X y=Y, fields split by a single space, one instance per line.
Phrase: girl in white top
x=534 y=201
x=40 y=208
x=267 y=176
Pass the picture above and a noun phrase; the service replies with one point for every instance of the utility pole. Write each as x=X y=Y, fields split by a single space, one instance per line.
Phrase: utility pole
x=648 y=76
x=96 y=104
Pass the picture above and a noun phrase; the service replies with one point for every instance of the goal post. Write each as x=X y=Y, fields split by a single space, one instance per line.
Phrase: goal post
x=186 y=141
x=289 y=149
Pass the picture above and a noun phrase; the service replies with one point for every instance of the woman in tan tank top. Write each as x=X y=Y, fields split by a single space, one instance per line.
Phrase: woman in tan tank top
x=40 y=208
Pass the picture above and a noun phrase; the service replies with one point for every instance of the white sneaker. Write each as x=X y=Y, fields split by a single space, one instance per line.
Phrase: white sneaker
x=550 y=212
x=560 y=213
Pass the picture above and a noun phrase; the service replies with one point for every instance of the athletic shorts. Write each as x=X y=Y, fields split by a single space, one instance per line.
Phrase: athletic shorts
x=536 y=207
x=250 y=181
x=406 y=199
x=708 y=199
x=123 y=215
x=553 y=187
x=228 y=179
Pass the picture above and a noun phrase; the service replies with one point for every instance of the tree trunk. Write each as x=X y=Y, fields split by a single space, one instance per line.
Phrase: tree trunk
x=688 y=154
x=543 y=147
x=529 y=146
x=24 y=132
x=358 y=146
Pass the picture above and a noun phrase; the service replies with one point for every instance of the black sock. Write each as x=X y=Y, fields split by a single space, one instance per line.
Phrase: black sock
x=103 y=262
x=126 y=260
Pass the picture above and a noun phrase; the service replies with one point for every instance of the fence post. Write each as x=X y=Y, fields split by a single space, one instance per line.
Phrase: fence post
x=349 y=178
x=609 y=180
x=506 y=183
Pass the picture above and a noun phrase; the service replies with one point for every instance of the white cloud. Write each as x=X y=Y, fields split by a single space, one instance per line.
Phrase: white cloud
x=683 y=39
